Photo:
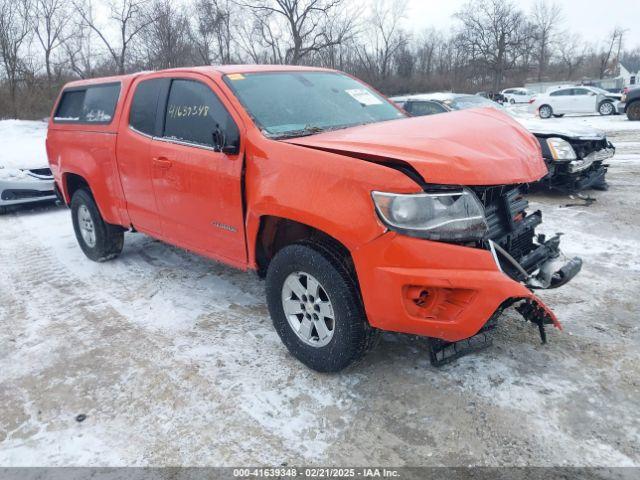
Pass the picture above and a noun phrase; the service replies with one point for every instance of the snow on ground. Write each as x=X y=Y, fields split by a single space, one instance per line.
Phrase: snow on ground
x=174 y=361
x=22 y=144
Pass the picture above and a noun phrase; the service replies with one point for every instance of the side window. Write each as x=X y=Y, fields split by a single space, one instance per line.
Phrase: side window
x=561 y=93
x=194 y=112
x=425 y=108
x=581 y=91
x=100 y=103
x=142 y=116
x=95 y=104
x=70 y=107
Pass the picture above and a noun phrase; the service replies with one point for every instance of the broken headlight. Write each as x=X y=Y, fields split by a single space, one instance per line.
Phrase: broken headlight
x=448 y=215
x=561 y=149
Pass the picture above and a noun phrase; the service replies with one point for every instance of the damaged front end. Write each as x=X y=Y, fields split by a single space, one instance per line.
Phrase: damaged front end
x=576 y=164
x=521 y=253
x=524 y=256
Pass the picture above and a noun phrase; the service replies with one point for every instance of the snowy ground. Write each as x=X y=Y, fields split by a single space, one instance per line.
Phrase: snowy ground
x=173 y=360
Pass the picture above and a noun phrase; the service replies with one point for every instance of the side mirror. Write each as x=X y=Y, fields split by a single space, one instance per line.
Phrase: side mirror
x=219 y=139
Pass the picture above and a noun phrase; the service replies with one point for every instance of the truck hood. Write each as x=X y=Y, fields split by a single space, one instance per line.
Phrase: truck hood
x=544 y=127
x=467 y=147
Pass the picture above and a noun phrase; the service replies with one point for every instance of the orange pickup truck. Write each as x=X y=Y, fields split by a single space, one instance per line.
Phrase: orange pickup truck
x=360 y=218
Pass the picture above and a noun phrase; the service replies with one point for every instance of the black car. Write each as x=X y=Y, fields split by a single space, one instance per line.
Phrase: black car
x=574 y=156
x=630 y=103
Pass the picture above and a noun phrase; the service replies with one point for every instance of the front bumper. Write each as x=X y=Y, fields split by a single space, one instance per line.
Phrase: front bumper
x=621 y=107
x=580 y=174
x=26 y=190
x=436 y=289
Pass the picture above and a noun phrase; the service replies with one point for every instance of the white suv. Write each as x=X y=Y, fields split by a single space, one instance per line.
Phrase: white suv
x=517 y=95
x=573 y=100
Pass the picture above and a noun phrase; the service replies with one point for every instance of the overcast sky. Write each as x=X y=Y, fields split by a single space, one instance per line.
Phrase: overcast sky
x=594 y=20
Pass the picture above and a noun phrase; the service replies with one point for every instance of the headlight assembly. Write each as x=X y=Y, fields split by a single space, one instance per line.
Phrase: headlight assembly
x=561 y=149
x=455 y=215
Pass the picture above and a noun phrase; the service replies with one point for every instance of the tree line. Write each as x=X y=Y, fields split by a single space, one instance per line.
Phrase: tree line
x=492 y=44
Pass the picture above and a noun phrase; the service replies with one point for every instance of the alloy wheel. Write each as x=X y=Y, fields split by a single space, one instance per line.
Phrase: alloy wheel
x=308 y=309
x=87 y=227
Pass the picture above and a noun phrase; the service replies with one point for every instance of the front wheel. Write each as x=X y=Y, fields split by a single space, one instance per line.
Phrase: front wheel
x=99 y=240
x=545 y=111
x=512 y=101
x=606 y=108
x=633 y=111
x=316 y=309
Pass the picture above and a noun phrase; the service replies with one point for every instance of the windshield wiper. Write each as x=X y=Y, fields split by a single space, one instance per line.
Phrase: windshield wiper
x=301 y=132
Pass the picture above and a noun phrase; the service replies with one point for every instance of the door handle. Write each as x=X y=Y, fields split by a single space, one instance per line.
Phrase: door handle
x=162 y=162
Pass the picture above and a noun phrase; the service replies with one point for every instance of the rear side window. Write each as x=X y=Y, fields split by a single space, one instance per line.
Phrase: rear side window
x=562 y=93
x=145 y=102
x=95 y=104
x=193 y=114
x=425 y=108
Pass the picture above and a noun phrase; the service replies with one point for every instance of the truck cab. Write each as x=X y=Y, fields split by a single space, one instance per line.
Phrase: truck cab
x=360 y=218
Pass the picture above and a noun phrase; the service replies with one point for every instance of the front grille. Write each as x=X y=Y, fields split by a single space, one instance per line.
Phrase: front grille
x=510 y=225
x=585 y=147
x=24 y=194
x=43 y=172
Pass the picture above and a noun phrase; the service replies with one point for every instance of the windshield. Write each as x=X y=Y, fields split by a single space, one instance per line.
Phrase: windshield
x=292 y=104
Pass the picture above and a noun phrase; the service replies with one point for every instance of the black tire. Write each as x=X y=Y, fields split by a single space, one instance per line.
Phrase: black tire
x=3 y=210
x=545 y=111
x=606 y=108
x=109 y=239
x=512 y=101
x=558 y=115
x=633 y=111
x=352 y=334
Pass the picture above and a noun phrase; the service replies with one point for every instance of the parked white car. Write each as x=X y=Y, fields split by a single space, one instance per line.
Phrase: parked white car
x=25 y=177
x=517 y=95
x=586 y=100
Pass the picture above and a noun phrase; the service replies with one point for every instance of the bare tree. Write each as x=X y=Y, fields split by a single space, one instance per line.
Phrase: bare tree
x=304 y=22
x=215 y=30
x=166 y=40
x=545 y=19
x=49 y=19
x=14 y=32
x=493 y=33
x=386 y=36
x=128 y=17
x=79 y=51
x=571 y=51
x=614 y=41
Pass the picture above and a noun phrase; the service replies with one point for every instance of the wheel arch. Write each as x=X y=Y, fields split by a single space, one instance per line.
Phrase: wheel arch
x=276 y=232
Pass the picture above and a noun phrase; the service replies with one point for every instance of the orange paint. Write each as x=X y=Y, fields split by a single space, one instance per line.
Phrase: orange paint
x=212 y=202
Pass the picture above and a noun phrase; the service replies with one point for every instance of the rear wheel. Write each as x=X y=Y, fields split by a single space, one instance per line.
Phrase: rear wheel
x=606 y=108
x=316 y=309
x=545 y=111
x=512 y=101
x=633 y=111
x=100 y=241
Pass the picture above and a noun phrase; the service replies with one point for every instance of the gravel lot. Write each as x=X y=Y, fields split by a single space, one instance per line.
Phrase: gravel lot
x=173 y=360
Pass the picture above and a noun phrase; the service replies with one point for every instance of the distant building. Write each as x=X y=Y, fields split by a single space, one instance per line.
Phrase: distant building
x=630 y=72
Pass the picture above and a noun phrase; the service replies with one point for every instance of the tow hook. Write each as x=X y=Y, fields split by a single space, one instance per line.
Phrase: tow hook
x=535 y=311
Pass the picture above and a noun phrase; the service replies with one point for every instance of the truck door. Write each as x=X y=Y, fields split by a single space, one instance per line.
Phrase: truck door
x=197 y=184
x=138 y=126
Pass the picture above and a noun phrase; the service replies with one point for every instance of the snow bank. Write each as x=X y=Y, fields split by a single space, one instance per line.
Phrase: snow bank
x=22 y=144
